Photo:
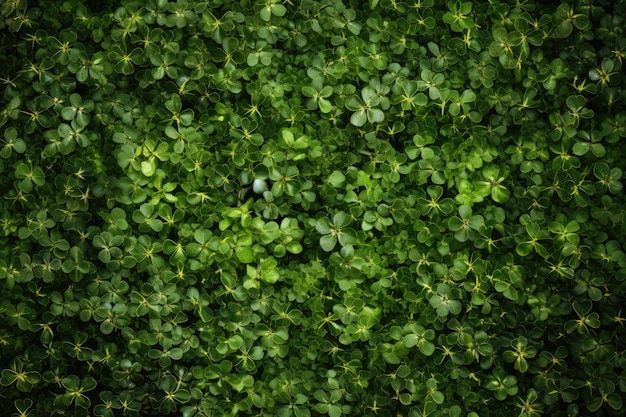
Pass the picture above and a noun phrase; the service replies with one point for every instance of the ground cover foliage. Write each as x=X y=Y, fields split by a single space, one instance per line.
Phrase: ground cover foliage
x=307 y=208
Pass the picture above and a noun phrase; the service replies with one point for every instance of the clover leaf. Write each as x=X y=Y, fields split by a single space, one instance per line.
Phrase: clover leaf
x=272 y=8
x=318 y=96
x=23 y=379
x=364 y=107
x=335 y=231
x=12 y=143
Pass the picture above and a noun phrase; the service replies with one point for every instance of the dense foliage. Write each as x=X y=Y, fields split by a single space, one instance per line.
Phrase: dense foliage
x=307 y=208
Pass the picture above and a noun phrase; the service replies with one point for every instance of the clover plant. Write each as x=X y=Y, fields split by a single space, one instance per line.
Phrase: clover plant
x=308 y=208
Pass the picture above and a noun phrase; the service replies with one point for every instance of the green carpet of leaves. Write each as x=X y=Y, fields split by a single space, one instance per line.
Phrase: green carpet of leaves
x=307 y=208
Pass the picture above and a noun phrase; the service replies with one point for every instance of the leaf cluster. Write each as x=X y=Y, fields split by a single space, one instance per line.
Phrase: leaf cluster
x=302 y=208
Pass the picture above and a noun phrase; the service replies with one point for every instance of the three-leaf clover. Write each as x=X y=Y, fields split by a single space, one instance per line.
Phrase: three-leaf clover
x=364 y=107
x=335 y=231
x=318 y=94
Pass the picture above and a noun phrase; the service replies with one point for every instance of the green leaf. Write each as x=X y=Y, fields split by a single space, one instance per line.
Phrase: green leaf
x=148 y=168
x=245 y=254
x=266 y=13
x=337 y=179
x=374 y=115
x=334 y=410
x=359 y=118
x=294 y=247
x=341 y=219
x=328 y=242
x=325 y=105
x=323 y=226
x=427 y=348
x=500 y=194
